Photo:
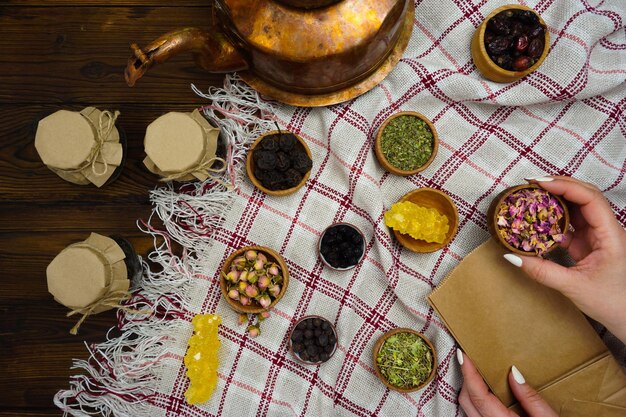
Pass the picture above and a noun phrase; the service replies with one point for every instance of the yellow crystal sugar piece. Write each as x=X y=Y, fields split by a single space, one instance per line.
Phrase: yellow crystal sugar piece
x=418 y=222
x=201 y=358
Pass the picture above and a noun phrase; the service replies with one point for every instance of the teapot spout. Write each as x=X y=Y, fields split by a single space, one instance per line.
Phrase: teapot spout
x=211 y=51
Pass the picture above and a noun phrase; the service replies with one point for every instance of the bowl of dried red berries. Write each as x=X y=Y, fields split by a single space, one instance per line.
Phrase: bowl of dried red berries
x=510 y=43
x=341 y=246
x=313 y=340
x=279 y=163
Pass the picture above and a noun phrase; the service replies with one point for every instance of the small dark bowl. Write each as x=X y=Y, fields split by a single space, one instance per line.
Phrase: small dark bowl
x=295 y=355
x=319 y=247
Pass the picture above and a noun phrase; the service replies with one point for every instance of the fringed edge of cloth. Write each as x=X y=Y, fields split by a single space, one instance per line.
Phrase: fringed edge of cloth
x=120 y=376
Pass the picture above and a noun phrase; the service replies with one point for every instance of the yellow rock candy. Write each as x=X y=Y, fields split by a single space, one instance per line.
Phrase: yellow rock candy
x=418 y=222
x=201 y=358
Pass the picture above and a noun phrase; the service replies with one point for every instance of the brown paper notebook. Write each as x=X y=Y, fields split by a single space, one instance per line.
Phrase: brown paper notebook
x=500 y=317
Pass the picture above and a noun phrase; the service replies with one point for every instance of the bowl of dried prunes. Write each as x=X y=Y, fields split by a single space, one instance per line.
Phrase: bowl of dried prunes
x=510 y=43
x=279 y=163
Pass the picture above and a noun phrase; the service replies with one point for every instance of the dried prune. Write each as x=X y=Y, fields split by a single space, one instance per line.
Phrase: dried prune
x=265 y=160
x=269 y=143
x=301 y=162
x=287 y=141
x=292 y=177
x=535 y=48
x=283 y=162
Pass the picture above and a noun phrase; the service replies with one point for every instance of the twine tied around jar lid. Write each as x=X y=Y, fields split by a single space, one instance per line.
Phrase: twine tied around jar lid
x=90 y=277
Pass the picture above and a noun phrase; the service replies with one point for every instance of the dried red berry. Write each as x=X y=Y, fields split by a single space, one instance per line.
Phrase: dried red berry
x=521 y=63
x=521 y=43
x=535 y=48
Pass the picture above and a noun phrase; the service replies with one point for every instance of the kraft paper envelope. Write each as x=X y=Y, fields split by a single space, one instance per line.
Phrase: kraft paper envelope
x=500 y=317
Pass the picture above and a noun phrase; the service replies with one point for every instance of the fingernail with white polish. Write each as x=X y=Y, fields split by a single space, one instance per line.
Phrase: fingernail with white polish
x=513 y=259
x=539 y=179
x=459 y=356
x=517 y=375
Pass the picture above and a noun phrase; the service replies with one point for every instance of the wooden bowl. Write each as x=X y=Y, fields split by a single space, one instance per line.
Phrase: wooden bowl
x=492 y=218
x=257 y=183
x=381 y=156
x=295 y=355
x=319 y=247
x=272 y=256
x=483 y=62
x=380 y=376
x=430 y=198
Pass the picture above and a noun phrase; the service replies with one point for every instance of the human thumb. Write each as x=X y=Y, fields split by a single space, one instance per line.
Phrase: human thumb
x=541 y=270
x=530 y=400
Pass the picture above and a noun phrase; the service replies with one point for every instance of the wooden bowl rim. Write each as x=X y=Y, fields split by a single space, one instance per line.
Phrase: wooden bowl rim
x=379 y=344
x=250 y=163
x=500 y=200
x=454 y=223
x=319 y=247
x=235 y=305
x=313 y=316
x=483 y=50
x=379 y=151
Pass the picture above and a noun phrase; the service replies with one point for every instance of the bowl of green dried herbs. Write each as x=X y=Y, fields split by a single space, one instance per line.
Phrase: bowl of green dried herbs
x=406 y=143
x=404 y=360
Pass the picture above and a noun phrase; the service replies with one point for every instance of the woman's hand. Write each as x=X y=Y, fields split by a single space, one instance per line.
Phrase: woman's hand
x=597 y=283
x=477 y=401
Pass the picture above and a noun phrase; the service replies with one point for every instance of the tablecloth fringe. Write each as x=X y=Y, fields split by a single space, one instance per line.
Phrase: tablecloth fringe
x=121 y=375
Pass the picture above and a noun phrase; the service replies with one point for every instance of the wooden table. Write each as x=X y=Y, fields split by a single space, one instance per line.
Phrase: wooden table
x=68 y=54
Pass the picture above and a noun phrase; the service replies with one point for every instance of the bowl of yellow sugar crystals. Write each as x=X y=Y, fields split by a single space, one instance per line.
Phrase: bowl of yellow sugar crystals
x=424 y=220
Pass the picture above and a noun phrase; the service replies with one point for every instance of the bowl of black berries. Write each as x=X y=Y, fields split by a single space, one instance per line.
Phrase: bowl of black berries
x=279 y=163
x=510 y=43
x=341 y=246
x=313 y=340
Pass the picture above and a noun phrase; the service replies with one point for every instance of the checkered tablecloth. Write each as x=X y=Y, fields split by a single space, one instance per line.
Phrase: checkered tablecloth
x=567 y=118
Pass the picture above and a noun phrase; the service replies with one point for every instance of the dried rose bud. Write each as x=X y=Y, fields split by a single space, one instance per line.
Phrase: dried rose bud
x=265 y=301
x=274 y=270
x=242 y=319
x=233 y=276
x=261 y=257
x=239 y=262
x=258 y=265
x=242 y=286
x=274 y=290
x=254 y=331
x=234 y=294
x=251 y=255
x=265 y=314
x=252 y=291
x=264 y=282
x=243 y=276
x=244 y=300
x=252 y=277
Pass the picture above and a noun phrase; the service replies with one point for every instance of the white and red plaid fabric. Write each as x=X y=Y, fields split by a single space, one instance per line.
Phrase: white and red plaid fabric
x=566 y=118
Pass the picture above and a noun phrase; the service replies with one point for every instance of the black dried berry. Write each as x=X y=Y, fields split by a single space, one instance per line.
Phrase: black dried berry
x=287 y=141
x=317 y=332
x=324 y=356
x=304 y=356
x=322 y=340
x=317 y=322
x=329 y=347
x=298 y=347
x=301 y=326
x=312 y=350
x=309 y=334
x=297 y=335
x=325 y=325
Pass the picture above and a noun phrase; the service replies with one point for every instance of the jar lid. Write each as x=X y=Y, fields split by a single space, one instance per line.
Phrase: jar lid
x=181 y=146
x=86 y=273
x=81 y=147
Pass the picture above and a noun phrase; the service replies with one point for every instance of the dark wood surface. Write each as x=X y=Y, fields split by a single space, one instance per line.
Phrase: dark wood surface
x=56 y=55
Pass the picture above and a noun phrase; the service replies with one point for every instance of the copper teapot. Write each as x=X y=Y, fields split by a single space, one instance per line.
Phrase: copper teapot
x=302 y=52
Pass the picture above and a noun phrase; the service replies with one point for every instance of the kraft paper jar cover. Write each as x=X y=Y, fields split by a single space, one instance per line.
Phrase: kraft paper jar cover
x=181 y=146
x=80 y=147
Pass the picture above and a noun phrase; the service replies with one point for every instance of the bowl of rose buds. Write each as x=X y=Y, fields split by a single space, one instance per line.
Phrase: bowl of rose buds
x=253 y=279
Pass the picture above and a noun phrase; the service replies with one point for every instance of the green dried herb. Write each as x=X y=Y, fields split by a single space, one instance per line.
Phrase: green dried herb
x=405 y=360
x=407 y=142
